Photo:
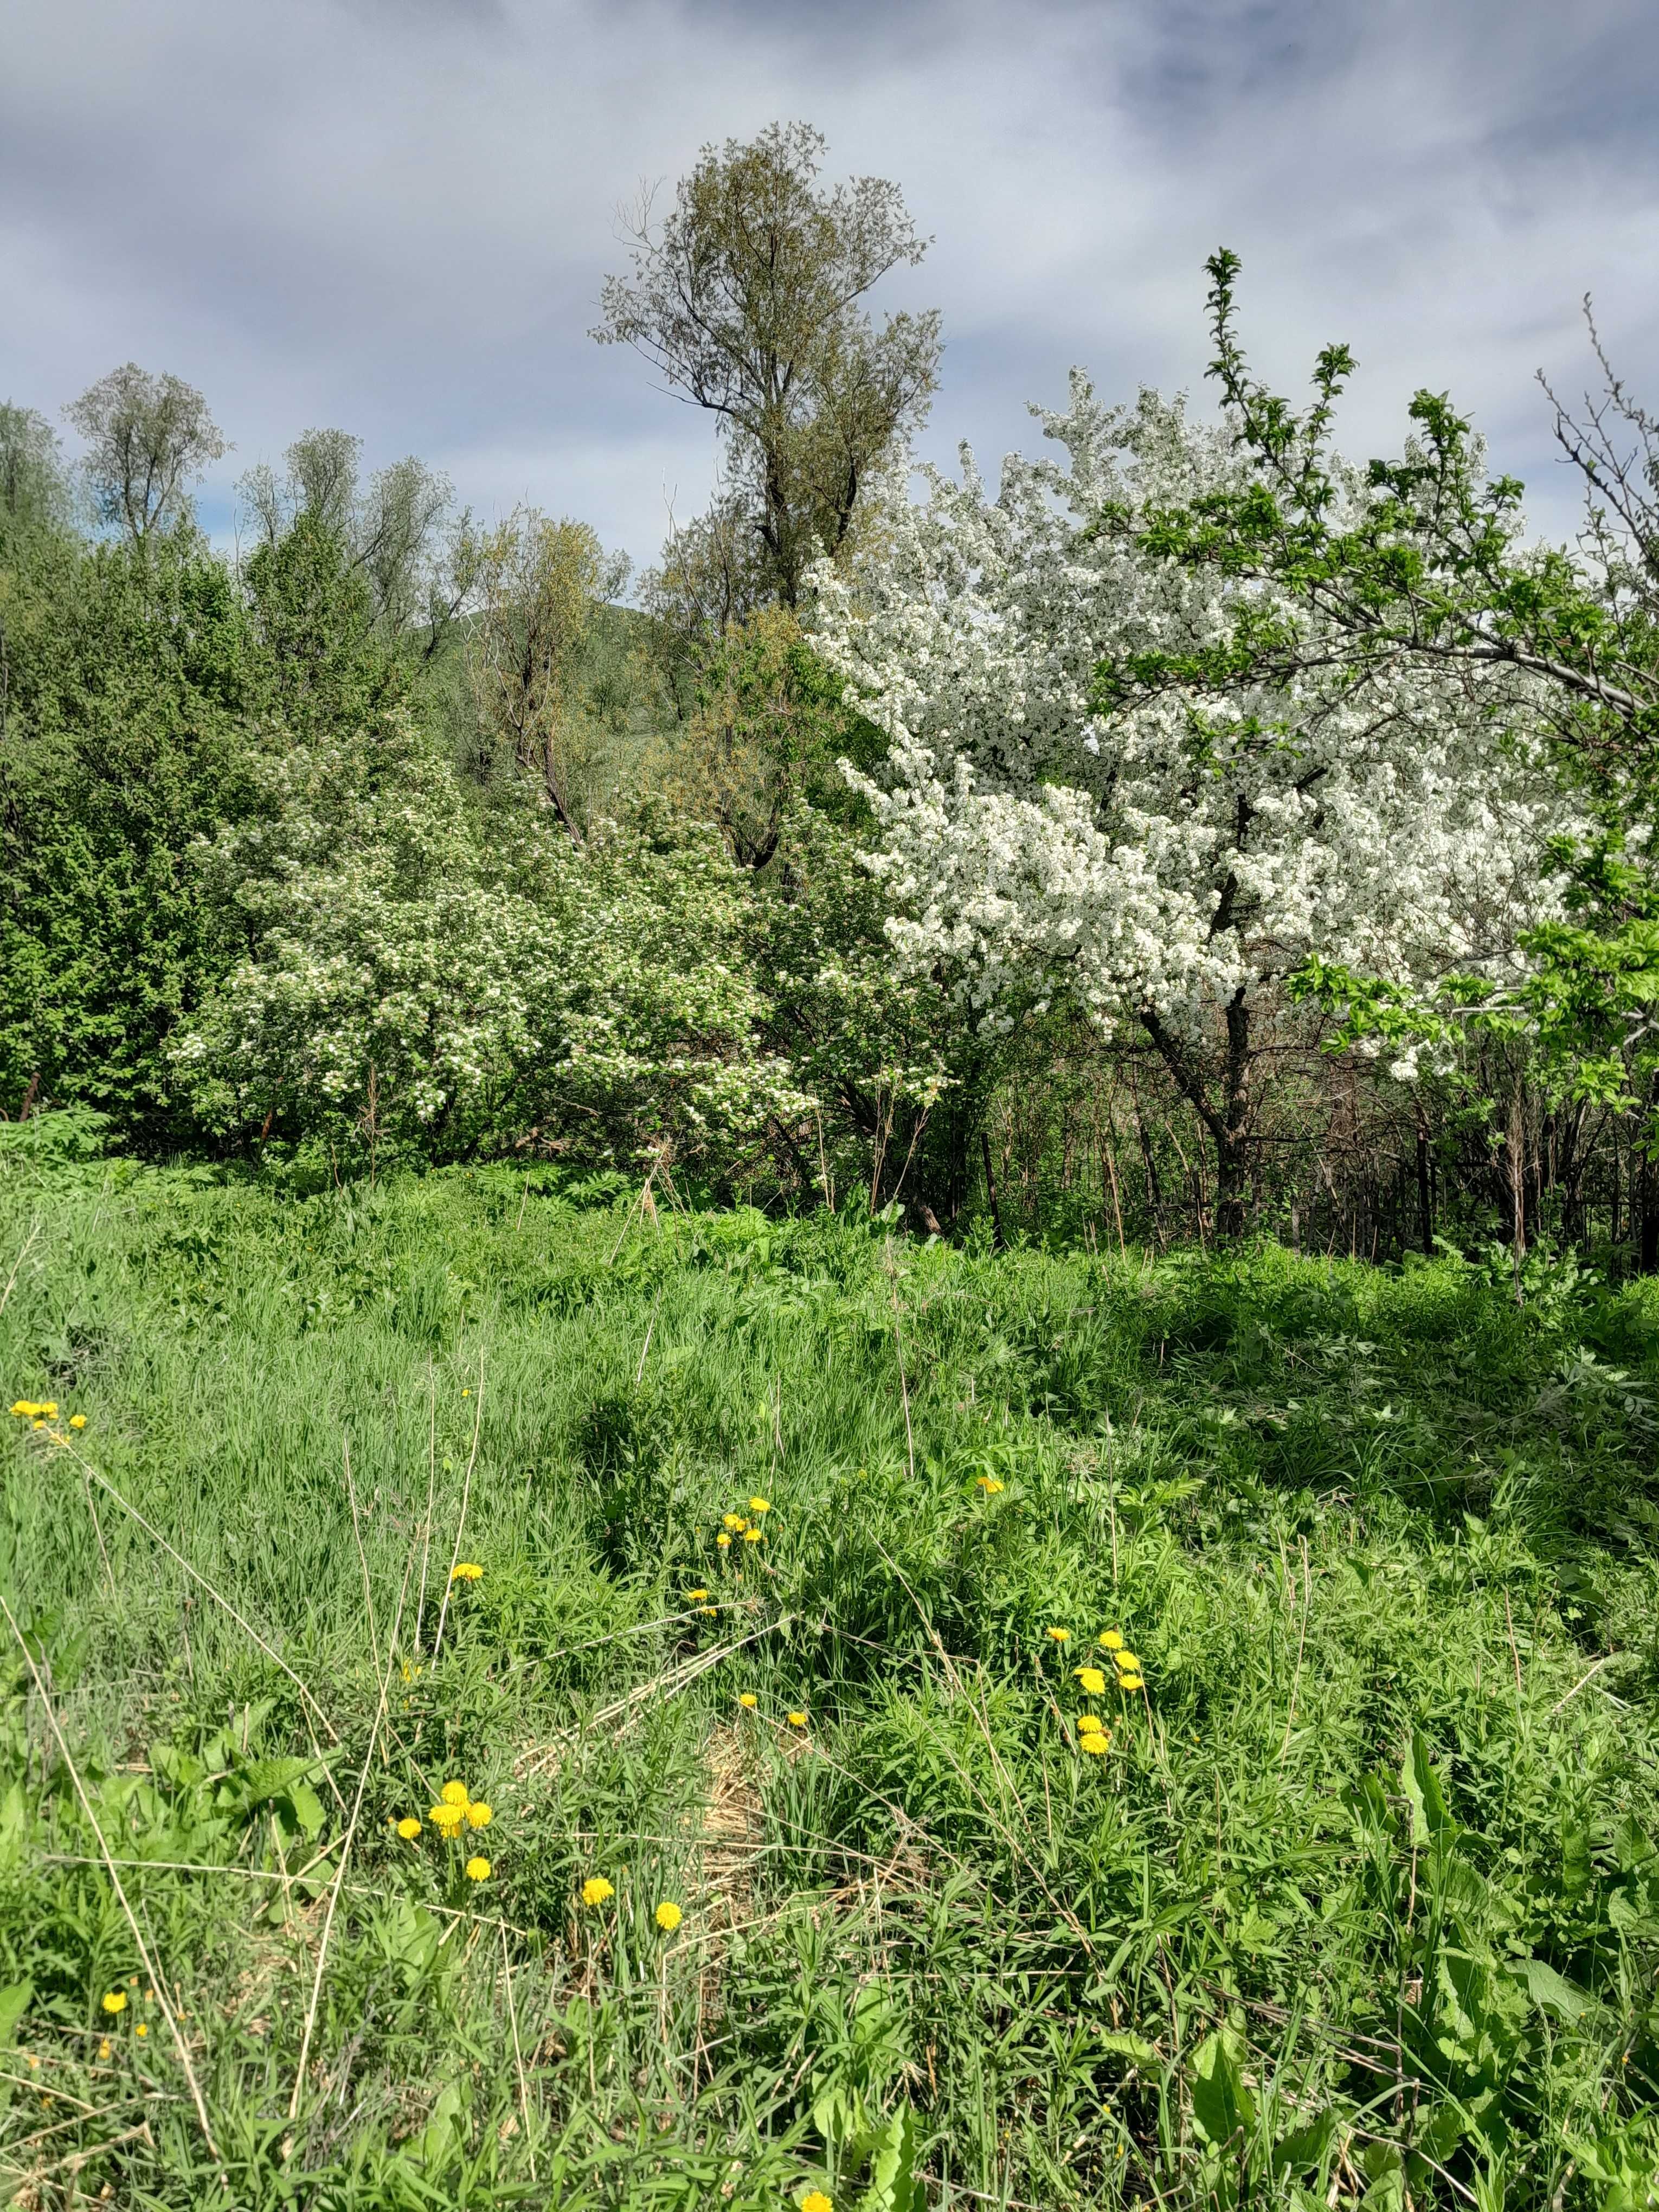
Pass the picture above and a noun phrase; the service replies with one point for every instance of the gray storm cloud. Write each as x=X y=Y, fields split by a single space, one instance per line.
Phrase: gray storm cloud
x=398 y=219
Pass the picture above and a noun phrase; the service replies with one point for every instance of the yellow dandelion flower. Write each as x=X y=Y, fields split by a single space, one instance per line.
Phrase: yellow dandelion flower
x=1095 y=1742
x=25 y=1408
x=748 y=1700
x=1111 y=1641
x=454 y=1793
x=696 y=1597
x=596 y=1889
x=477 y=1869
x=409 y=1828
x=115 y=2001
x=479 y=1815
x=754 y=1536
x=140 y=2029
x=668 y=1916
x=989 y=1484
x=49 y=1409
x=1131 y=1682
x=734 y=1521
x=468 y=1572
x=78 y=1420
x=760 y=1505
x=724 y=1542
x=446 y=1820
x=815 y=2200
x=1093 y=1680
x=796 y=1720
x=1090 y=1724
x=1060 y=1635
x=37 y=1425
x=104 y=2048
x=709 y=1612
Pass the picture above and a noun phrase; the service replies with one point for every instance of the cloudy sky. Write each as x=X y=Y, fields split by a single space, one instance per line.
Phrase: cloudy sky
x=395 y=214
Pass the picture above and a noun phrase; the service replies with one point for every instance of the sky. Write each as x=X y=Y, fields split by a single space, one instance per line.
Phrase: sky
x=395 y=216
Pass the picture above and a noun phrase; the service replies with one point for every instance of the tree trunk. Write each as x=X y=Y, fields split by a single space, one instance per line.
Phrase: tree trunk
x=1227 y=1123
x=1424 y=1192
x=1232 y=1140
x=1231 y=1180
x=991 y=1192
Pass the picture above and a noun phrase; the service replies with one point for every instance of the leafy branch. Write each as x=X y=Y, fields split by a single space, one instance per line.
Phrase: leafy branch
x=1419 y=557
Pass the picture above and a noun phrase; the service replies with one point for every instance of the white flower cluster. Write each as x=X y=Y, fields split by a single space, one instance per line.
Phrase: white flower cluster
x=1166 y=858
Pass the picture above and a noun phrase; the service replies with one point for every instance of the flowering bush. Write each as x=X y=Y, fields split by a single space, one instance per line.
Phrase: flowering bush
x=417 y=985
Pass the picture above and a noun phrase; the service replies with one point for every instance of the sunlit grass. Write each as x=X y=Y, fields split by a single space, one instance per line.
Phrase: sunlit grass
x=1210 y=1755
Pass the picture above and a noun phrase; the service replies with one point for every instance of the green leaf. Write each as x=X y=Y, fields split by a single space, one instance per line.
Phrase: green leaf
x=14 y=1824
x=1576 y=1871
x=1305 y=2146
x=1552 y=1992
x=1255 y=1932
x=1383 y=2165
x=264 y=1778
x=14 y=2004
x=181 y=1768
x=1223 y=2108
x=1135 y=2048
x=1633 y=1846
x=307 y=1808
x=893 y=2186
x=838 y=2115
x=1440 y=2128
x=441 y=2136
x=1431 y=1820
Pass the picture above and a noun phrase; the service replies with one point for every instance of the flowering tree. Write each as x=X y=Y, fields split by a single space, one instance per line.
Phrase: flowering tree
x=1167 y=856
x=1420 y=564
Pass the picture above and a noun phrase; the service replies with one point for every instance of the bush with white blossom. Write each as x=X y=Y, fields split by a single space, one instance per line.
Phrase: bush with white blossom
x=423 y=978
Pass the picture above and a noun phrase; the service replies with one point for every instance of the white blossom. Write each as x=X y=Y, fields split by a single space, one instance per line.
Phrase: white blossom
x=1165 y=860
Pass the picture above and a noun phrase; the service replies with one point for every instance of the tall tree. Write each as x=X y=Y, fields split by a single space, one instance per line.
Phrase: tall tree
x=747 y=298
x=535 y=585
x=133 y=680
x=33 y=488
x=390 y=531
x=147 y=438
x=320 y=480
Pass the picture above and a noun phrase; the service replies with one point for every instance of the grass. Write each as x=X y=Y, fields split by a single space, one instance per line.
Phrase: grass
x=1360 y=1906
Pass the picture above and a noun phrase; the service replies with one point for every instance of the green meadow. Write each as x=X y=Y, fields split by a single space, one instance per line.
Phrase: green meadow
x=1357 y=1903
